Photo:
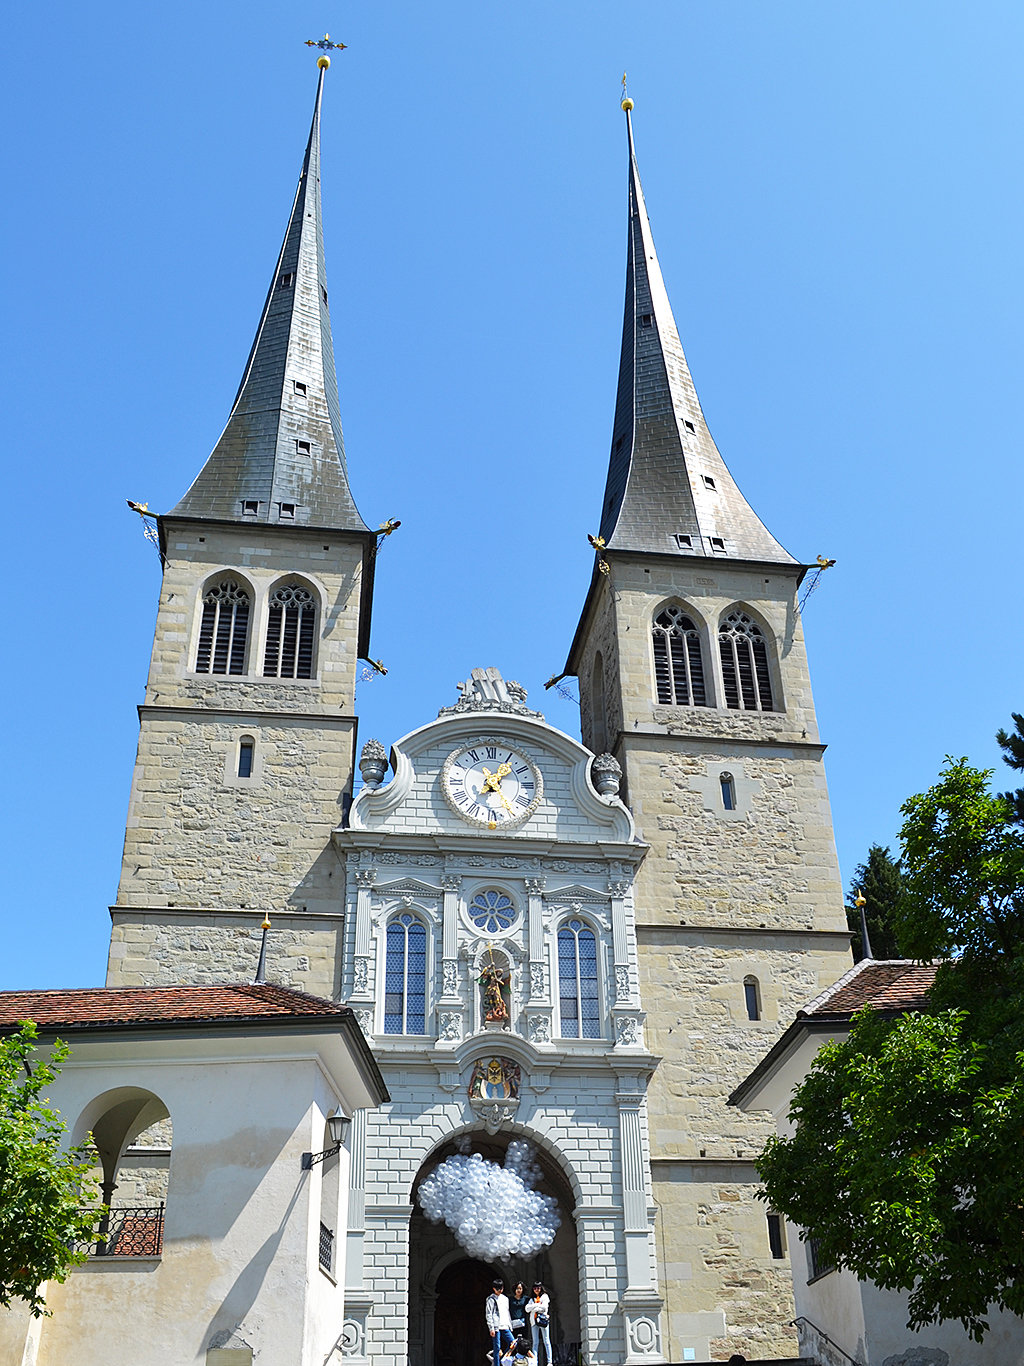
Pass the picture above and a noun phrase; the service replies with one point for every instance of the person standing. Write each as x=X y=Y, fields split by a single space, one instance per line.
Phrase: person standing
x=499 y=1324
x=517 y=1308
x=538 y=1307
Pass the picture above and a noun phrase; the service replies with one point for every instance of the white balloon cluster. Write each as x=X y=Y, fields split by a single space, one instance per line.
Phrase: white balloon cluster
x=493 y=1211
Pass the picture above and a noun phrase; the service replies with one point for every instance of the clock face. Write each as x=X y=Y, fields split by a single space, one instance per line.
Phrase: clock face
x=491 y=784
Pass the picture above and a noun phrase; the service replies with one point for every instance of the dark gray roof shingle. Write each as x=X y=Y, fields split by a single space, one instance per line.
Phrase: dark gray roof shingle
x=283 y=444
x=666 y=478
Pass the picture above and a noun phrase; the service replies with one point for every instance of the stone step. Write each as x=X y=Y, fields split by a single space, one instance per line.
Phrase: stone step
x=752 y=1361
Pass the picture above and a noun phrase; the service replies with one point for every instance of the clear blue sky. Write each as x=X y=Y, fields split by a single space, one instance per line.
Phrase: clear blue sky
x=836 y=199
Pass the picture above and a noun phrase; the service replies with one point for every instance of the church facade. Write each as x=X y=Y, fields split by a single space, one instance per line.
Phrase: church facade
x=580 y=945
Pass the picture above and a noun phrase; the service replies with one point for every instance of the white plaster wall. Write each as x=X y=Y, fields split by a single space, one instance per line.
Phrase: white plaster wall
x=240 y=1255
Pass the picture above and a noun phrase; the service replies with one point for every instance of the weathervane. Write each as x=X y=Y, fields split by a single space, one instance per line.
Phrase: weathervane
x=324 y=43
x=627 y=103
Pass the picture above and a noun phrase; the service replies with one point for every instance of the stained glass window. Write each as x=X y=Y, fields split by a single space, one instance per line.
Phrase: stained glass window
x=405 y=977
x=577 y=981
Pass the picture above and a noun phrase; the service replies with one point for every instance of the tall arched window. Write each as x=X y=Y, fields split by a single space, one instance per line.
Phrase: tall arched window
x=678 y=668
x=405 y=977
x=290 y=633
x=224 y=630
x=579 y=1004
x=745 y=673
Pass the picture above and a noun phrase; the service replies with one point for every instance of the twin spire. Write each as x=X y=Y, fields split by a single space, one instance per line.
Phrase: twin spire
x=668 y=491
x=281 y=457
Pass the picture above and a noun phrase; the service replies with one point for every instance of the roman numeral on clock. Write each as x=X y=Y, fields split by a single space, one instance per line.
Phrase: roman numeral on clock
x=522 y=801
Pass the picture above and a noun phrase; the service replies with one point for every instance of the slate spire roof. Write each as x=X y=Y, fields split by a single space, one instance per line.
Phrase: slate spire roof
x=283 y=443
x=668 y=489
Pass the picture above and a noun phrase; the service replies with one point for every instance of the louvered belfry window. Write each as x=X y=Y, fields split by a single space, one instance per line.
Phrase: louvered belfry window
x=224 y=629
x=745 y=673
x=290 y=633
x=678 y=669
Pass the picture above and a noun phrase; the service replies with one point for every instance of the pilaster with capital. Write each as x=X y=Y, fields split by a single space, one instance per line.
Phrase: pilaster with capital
x=535 y=911
x=362 y=964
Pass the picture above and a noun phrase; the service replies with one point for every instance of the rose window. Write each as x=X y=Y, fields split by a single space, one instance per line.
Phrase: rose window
x=492 y=912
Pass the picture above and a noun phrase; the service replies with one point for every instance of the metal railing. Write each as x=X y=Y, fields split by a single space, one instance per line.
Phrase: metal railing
x=326 y=1246
x=131 y=1231
x=802 y=1318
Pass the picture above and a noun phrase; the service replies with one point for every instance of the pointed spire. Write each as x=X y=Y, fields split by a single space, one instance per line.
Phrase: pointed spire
x=282 y=449
x=668 y=488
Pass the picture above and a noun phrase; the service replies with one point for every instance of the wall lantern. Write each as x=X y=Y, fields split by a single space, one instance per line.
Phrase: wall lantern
x=338 y=1126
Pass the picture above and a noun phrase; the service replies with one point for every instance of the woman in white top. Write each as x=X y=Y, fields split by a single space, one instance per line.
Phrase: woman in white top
x=538 y=1310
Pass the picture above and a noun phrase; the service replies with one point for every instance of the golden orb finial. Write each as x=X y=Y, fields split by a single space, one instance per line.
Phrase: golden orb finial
x=266 y=921
x=627 y=104
x=860 y=900
x=323 y=62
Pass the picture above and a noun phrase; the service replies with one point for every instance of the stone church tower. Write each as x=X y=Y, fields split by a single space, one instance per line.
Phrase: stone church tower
x=692 y=671
x=649 y=956
x=245 y=757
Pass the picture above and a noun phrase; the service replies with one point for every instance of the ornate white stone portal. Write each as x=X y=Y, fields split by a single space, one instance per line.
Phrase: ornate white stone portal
x=491 y=951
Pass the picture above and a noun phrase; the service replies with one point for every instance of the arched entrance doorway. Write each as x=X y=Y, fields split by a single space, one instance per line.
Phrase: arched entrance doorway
x=447 y=1288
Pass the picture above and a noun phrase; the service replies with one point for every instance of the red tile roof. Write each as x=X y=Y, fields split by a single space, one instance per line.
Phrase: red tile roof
x=888 y=985
x=98 y=1006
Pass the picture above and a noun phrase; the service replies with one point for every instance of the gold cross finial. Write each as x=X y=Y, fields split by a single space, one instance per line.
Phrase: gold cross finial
x=324 y=43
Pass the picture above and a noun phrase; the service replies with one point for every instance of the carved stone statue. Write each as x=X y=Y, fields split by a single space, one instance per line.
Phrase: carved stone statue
x=486 y=690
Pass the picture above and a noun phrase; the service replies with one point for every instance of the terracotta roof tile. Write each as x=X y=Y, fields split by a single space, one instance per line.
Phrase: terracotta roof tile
x=891 y=985
x=139 y=1005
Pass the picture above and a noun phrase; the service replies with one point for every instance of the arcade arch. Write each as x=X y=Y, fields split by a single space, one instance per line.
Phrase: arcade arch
x=447 y=1287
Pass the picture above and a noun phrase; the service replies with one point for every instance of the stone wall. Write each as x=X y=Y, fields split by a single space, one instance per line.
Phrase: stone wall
x=198 y=835
x=159 y=948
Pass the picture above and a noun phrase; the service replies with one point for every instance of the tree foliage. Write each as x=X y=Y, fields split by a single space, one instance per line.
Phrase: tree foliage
x=43 y=1189
x=907 y=1161
x=1012 y=745
x=880 y=882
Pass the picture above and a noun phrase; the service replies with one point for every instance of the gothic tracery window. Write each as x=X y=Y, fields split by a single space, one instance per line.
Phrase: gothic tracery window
x=224 y=629
x=578 y=998
x=678 y=667
x=745 y=673
x=405 y=976
x=290 y=633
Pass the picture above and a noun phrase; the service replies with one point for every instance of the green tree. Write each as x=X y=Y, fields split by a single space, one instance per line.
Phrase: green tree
x=44 y=1190
x=906 y=1161
x=880 y=882
x=1012 y=745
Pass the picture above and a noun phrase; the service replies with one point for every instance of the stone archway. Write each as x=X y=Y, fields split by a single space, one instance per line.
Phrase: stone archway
x=447 y=1287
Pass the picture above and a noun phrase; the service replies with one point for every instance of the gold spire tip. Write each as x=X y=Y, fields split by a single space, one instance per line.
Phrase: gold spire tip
x=627 y=104
x=323 y=62
x=266 y=921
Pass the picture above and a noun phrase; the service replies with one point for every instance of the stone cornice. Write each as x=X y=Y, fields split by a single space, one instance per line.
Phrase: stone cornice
x=171 y=713
x=235 y=913
x=837 y=940
x=718 y=742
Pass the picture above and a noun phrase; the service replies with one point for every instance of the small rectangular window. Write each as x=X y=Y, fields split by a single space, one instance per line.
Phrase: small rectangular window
x=287 y=509
x=776 y=1236
x=646 y=320
x=684 y=542
x=817 y=1263
x=716 y=543
x=302 y=447
x=324 y=293
x=688 y=424
x=728 y=792
x=752 y=998
x=285 y=281
x=245 y=752
x=709 y=483
x=300 y=388
x=250 y=508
